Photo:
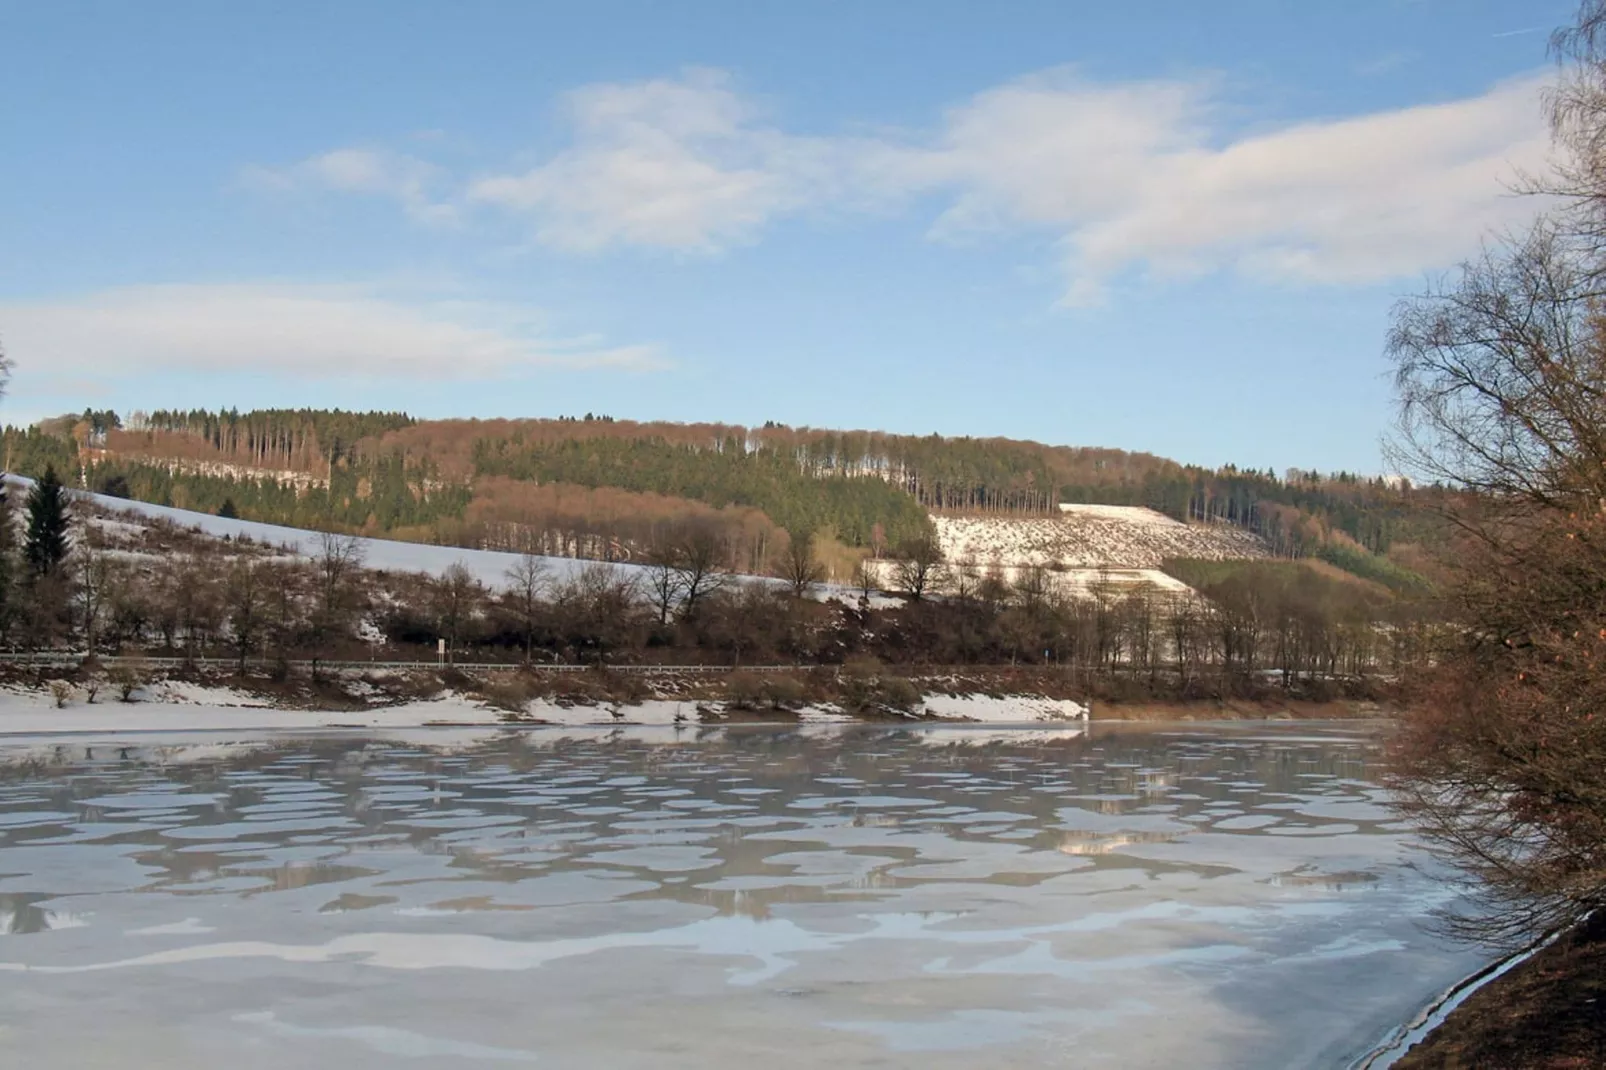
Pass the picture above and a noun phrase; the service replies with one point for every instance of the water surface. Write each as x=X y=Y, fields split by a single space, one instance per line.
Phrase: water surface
x=1201 y=896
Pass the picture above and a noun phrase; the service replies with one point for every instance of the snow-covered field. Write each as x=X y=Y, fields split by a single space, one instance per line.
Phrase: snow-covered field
x=1090 y=537
x=1085 y=582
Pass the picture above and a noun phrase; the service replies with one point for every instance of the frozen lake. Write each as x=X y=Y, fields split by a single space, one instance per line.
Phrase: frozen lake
x=1199 y=896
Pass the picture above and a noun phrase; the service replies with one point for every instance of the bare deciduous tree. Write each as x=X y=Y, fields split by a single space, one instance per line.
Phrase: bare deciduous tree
x=865 y=579
x=456 y=597
x=700 y=559
x=288 y=596
x=799 y=567
x=919 y=569
x=527 y=581
x=337 y=565
x=1501 y=384
x=244 y=601
x=93 y=573
x=664 y=582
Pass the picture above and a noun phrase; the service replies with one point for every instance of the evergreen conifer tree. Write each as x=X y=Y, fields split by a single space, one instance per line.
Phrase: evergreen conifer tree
x=227 y=510
x=46 y=544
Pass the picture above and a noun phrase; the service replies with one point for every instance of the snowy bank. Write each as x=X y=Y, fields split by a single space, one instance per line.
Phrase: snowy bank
x=31 y=713
x=183 y=707
x=1002 y=709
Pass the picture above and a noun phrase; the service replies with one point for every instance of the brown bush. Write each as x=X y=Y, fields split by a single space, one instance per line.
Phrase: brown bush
x=783 y=691
x=510 y=691
x=745 y=691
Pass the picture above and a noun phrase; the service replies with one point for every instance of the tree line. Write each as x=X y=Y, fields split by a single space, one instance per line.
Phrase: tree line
x=1256 y=629
x=293 y=439
x=465 y=481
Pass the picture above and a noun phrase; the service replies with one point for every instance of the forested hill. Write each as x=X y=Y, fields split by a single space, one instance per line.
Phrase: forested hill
x=602 y=487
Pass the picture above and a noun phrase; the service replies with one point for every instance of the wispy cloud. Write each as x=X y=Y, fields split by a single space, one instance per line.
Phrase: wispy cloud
x=682 y=164
x=308 y=332
x=411 y=182
x=1146 y=175
x=1520 y=33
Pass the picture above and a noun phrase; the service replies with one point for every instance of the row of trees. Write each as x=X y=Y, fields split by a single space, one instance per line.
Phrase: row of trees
x=194 y=596
x=307 y=440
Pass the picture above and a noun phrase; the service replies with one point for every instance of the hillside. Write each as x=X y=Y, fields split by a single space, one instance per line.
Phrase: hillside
x=621 y=491
x=1090 y=536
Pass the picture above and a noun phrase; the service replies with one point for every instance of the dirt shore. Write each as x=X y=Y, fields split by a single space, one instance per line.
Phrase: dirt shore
x=1241 y=710
x=1548 y=1013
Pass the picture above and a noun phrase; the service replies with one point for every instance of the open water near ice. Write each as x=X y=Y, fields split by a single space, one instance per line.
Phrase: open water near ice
x=1188 y=896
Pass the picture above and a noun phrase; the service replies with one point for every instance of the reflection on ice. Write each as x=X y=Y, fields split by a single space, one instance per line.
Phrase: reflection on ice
x=799 y=896
x=22 y=918
x=385 y=1040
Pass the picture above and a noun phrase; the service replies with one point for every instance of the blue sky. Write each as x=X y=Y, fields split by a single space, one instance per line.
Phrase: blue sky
x=1173 y=227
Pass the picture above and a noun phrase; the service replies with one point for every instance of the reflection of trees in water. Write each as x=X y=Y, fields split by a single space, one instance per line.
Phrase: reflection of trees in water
x=575 y=799
x=22 y=914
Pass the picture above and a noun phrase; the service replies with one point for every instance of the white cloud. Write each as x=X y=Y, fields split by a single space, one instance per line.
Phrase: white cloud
x=1146 y=176
x=1140 y=177
x=681 y=164
x=408 y=180
x=329 y=332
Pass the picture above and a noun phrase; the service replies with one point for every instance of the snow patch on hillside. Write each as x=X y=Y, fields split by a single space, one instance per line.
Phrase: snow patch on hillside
x=1129 y=514
x=1089 y=537
x=1085 y=582
x=187 y=693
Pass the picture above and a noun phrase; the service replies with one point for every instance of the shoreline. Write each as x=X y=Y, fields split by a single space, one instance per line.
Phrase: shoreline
x=1432 y=1016
x=210 y=709
x=1337 y=709
x=202 y=699
x=1540 y=1009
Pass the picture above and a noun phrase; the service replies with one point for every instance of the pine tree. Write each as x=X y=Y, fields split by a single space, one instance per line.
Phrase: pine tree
x=46 y=544
x=227 y=510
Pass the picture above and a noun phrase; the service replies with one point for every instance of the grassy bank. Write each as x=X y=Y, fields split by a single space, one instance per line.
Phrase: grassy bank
x=1548 y=1013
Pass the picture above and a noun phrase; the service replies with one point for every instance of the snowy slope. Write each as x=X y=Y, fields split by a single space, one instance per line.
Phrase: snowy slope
x=1079 y=543
x=1089 y=537
x=488 y=566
